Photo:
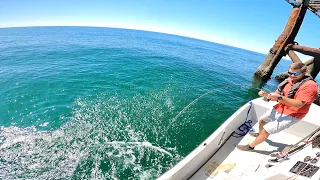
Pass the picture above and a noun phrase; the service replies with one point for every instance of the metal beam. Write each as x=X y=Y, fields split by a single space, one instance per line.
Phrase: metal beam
x=288 y=35
x=293 y=56
x=304 y=50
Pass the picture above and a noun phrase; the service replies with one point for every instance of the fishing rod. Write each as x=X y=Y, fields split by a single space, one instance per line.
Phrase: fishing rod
x=290 y=150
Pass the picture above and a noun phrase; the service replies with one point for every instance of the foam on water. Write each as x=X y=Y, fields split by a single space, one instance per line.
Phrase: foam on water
x=100 y=140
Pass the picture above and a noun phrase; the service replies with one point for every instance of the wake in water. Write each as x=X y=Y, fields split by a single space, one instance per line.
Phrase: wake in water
x=100 y=141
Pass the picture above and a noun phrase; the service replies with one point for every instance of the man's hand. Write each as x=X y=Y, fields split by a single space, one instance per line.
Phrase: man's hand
x=263 y=93
x=274 y=96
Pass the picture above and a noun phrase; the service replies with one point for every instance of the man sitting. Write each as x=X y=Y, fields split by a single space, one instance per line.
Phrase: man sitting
x=295 y=95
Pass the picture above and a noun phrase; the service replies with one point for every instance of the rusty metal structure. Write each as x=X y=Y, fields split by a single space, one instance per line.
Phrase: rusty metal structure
x=285 y=44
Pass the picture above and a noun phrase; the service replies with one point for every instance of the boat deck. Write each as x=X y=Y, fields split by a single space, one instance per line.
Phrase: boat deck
x=231 y=163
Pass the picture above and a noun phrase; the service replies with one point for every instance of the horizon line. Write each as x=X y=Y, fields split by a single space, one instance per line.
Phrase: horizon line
x=138 y=29
x=147 y=30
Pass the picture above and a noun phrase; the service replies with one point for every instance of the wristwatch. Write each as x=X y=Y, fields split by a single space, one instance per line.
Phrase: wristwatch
x=280 y=98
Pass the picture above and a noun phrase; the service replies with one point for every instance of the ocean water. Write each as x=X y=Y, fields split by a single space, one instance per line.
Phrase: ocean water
x=100 y=103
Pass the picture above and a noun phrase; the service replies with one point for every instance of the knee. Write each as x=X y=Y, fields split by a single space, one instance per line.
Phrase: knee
x=262 y=122
x=264 y=132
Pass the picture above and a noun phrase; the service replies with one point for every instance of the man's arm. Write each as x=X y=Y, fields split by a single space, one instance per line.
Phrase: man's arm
x=288 y=101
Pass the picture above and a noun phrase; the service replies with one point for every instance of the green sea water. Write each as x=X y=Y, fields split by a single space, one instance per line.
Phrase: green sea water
x=99 y=103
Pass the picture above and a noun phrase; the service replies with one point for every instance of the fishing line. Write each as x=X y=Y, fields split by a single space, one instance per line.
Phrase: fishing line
x=194 y=101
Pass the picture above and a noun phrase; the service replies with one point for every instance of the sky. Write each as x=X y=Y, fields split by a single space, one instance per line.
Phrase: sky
x=247 y=24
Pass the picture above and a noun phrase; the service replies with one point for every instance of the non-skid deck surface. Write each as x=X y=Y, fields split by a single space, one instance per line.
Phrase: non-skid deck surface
x=231 y=163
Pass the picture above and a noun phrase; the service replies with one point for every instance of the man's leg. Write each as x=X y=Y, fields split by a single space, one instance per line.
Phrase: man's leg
x=263 y=135
x=277 y=124
x=261 y=124
x=283 y=122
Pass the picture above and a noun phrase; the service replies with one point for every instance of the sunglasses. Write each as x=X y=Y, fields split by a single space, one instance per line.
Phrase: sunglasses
x=294 y=73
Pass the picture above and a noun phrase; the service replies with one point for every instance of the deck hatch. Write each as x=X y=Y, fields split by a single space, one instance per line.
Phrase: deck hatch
x=304 y=169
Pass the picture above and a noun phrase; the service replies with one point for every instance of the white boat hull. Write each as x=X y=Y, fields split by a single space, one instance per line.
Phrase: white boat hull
x=217 y=157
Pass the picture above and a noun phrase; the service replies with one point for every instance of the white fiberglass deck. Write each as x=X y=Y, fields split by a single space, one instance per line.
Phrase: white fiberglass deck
x=231 y=163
